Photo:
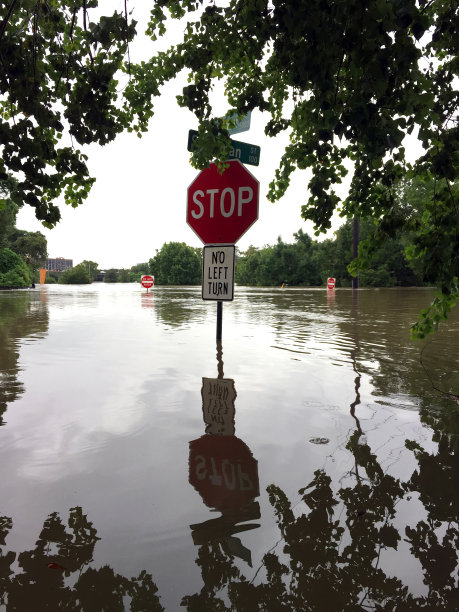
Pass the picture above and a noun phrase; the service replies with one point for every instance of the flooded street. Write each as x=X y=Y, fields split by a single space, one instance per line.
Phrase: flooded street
x=143 y=465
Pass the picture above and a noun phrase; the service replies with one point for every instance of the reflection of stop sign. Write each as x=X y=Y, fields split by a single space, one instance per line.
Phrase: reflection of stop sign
x=223 y=471
x=221 y=207
x=147 y=281
x=330 y=283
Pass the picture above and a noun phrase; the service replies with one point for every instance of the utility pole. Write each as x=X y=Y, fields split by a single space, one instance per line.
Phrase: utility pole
x=355 y=250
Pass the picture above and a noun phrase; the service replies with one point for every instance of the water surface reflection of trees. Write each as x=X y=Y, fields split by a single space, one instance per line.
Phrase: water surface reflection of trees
x=177 y=307
x=22 y=315
x=334 y=551
x=56 y=574
x=330 y=558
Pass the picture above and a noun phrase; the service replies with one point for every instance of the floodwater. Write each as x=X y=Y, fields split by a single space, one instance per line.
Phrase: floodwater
x=307 y=463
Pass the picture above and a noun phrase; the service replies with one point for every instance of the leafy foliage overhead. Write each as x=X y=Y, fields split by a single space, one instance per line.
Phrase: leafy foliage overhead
x=57 y=77
x=348 y=80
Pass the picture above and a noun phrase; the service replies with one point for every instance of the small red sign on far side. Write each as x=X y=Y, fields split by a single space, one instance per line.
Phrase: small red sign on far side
x=147 y=281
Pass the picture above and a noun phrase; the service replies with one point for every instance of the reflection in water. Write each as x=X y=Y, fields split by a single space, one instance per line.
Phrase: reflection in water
x=218 y=398
x=23 y=314
x=373 y=530
x=331 y=554
x=334 y=551
x=353 y=354
x=176 y=307
x=147 y=300
x=331 y=297
x=56 y=574
x=224 y=472
x=329 y=557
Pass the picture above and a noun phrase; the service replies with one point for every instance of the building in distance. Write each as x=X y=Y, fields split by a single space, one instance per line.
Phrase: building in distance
x=59 y=264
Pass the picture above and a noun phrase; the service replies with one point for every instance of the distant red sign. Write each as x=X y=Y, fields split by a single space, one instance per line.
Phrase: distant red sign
x=223 y=471
x=330 y=283
x=147 y=281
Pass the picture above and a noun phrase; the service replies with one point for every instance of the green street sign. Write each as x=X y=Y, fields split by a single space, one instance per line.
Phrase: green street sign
x=244 y=152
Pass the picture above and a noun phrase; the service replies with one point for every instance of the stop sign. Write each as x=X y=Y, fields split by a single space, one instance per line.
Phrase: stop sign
x=222 y=207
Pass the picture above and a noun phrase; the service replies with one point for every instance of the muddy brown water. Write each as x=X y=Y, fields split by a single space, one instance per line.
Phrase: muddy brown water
x=307 y=463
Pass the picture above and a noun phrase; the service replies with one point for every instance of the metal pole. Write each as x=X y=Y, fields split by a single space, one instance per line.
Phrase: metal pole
x=219 y=319
x=355 y=250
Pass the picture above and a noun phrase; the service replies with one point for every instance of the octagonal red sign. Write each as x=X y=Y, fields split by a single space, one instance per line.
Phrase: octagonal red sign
x=222 y=207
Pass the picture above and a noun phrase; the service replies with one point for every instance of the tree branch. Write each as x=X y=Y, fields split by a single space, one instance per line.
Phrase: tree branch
x=7 y=17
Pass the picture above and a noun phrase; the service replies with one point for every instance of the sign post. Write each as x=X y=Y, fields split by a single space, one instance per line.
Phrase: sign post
x=220 y=209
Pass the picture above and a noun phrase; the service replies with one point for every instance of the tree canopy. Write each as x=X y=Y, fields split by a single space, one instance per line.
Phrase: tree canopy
x=176 y=264
x=92 y=268
x=347 y=79
x=57 y=77
x=13 y=270
x=31 y=246
x=78 y=275
x=21 y=252
x=308 y=262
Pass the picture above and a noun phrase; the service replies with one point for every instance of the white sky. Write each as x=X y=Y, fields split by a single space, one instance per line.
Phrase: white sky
x=138 y=202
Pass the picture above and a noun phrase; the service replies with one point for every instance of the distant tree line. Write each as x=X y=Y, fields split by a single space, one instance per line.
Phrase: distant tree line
x=380 y=263
x=174 y=264
x=89 y=271
x=304 y=262
x=307 y=262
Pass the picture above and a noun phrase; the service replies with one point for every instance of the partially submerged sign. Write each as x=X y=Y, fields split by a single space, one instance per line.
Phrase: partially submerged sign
x=218 y=272
x=147 y=281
